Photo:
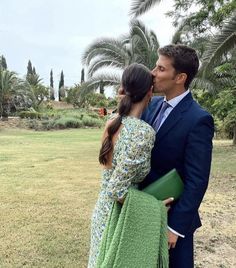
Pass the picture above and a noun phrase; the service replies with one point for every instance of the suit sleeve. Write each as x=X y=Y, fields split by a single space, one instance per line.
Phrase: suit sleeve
x=197 y=163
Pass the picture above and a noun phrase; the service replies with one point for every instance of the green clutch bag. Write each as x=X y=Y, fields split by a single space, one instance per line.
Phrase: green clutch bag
x=169 y=185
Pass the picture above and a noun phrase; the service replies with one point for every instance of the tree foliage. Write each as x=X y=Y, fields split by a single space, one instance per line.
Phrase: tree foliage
x=3 y=62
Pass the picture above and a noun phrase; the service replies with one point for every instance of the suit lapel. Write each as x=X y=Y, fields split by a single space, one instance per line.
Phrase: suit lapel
x=175 y=115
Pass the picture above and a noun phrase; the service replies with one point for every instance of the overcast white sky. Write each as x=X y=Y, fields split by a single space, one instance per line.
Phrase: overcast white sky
x=53 y=33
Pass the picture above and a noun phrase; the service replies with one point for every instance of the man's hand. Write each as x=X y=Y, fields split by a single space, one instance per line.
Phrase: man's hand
x=172 y=239
x=167 y=202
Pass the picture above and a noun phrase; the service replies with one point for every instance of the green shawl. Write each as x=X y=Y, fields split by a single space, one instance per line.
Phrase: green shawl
x=136 y=234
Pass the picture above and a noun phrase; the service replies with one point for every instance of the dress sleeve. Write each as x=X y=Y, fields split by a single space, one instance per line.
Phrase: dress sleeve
x=133 y=162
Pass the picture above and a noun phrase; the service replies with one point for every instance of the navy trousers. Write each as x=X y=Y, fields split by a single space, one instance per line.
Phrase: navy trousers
x=182 y=255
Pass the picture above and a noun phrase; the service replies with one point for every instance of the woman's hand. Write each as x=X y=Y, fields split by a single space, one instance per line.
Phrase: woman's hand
x=121 y=200
x=121 y=94
x=167 y=202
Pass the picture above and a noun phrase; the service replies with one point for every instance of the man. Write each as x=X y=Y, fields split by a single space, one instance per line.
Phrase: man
x=183 y=141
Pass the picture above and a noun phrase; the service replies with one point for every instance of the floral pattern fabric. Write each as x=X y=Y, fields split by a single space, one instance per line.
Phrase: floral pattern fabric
x=130 y=165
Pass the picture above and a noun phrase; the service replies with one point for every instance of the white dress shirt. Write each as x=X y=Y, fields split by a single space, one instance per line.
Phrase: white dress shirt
x=172 y=103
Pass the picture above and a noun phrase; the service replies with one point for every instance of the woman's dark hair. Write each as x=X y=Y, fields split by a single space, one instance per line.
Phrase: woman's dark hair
x=184 y=60
x=136 y=82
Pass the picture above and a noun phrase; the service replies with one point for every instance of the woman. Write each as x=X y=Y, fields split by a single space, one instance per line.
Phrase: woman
x=126 y=150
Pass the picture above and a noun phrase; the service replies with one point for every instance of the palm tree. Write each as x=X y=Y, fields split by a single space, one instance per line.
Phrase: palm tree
x=36 y=92
x=140 y=45
x=10 y=87
x=33 y=79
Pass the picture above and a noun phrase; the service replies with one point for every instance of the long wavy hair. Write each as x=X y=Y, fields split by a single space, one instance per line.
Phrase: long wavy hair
x=136 y=82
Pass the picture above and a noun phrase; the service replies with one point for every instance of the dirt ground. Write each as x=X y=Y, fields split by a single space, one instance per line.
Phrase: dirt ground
x=215 y=241
x=13 y=122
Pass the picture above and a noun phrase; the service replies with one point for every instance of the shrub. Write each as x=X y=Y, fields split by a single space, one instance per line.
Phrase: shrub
x=112 y=103
x=96 y=100
x=47 y=124
x=30 y=114
x=61 y=119
x=67 y=122
x=33 y=124
x=92 y=122
x=94 y=115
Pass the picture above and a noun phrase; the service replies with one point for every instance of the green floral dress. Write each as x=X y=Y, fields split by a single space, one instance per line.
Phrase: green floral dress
x=130 y=165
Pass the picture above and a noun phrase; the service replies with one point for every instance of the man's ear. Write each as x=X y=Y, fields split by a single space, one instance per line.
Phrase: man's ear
x=181 y=78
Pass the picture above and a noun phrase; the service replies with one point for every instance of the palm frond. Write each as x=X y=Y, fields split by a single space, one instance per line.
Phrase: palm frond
x=110 y=47
x=139 y=7
x=137 y=29
x=154 y=41
x=221 y=43
x=7 y=81
x=203 y=83
x=102 y=62
x=93 y=83
x=181 y=30
x=144 y=43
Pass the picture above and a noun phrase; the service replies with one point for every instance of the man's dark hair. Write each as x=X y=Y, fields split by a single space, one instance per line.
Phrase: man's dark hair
x=184 y=60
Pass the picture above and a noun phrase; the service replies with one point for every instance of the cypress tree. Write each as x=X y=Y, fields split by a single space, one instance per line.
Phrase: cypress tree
x=82 y=76
x=34 y=71
x=61 y=83
x=61 y=86
x=3 y=62
x=29 y=71
x=51 y=79
x=52 y=95
x=29 y=68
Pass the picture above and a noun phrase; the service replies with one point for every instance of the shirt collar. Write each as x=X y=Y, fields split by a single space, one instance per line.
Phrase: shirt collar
x=173 y=102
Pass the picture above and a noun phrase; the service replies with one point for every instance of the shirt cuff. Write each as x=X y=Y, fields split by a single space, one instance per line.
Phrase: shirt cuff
x=173 y=231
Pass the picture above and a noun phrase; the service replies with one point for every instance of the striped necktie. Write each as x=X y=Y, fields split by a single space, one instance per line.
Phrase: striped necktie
x=157 y=122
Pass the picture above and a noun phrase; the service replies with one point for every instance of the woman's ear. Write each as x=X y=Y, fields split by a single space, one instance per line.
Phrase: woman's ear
x=150 y=91
x=121 y=91
x=149 y=95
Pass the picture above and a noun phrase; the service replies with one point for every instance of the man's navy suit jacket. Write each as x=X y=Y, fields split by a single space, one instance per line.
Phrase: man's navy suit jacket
x=184 y=142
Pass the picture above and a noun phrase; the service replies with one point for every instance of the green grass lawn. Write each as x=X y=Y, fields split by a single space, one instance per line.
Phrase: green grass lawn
x=49 y=183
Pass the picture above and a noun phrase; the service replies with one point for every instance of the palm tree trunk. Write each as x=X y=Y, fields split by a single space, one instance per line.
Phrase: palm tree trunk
x=234 y=135
x=5 y=111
